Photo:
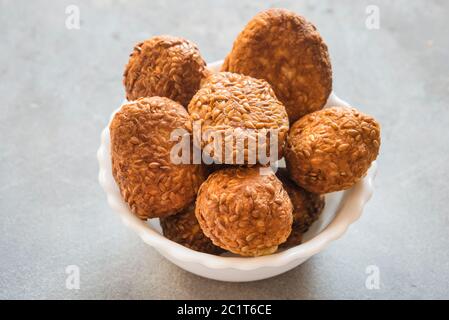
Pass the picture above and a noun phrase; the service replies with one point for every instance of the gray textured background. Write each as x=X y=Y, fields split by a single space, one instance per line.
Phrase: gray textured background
x=58 y=88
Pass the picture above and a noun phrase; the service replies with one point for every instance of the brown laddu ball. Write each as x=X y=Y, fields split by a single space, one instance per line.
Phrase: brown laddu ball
x=331 y=149
x=164 y=66
x=285 y=49
x=149 y=181
x=240 y=107
x=244 y=211
x=184 y=229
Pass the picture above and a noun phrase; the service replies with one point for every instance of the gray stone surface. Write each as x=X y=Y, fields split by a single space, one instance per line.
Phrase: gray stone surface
x=59 y=86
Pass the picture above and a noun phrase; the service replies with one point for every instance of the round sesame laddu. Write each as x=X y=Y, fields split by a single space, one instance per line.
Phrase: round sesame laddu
x=164 y=66
x=240 y=107
x=244 y=211
x=307 y=207
x=149 y=181
x=184 y=229
x=331 y=149
x=285 y=49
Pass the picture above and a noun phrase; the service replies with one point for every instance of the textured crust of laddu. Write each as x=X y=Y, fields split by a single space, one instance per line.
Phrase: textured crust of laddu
x=244 y=212
x=184 y=229
x=164 y=66
x=286 y=50
x=140 y=149
x=307 y=207
x=229 y=101
x=331 y=149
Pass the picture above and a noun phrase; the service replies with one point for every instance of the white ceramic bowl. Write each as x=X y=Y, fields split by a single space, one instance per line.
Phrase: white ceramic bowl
x=341 y=210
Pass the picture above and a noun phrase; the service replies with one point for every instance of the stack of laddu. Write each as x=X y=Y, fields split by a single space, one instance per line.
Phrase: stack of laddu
x=277 y=76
